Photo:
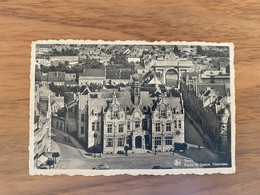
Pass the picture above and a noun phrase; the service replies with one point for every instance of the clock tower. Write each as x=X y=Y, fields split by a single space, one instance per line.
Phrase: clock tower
x=135 y=90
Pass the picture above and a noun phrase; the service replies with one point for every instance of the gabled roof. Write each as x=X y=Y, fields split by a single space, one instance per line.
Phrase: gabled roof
x=126 y=74
x=93 y=73
x=56 y=76
x=220 y=88
x=112 y=74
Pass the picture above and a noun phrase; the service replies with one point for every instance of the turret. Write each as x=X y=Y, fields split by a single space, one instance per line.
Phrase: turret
x=135 y=90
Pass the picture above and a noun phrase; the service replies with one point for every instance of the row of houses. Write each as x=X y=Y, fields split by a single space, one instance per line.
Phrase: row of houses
x=46 y=103
x=97 y=76
x=209 y=106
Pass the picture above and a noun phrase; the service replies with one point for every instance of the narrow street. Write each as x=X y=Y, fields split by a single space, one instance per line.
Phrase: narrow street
x=192 y=136
x=70 y=157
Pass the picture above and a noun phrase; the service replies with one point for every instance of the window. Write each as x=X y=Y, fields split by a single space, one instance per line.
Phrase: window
x=82 y=130
x=109 y=128
x=120 y=128
x=158 y=141
x=60 y=126
x=82 y=117
x=128 y=125
x=175 y=123
x=157 y=127
x=168 y=140
x=168 y=126
x=109 y=142
x=179 y=123
x=97 y=126
x=57 y=125
x=93 y=126
x=137 y=124
x=115 y=114
x=163 y=113
x=144 y=124
x=120 y=142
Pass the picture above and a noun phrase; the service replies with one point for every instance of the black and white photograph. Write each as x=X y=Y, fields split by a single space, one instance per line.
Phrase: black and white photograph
x=131 y=107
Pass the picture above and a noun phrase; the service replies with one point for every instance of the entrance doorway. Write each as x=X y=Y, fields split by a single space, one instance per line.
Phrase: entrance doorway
x=138 y=142
x=171 y=78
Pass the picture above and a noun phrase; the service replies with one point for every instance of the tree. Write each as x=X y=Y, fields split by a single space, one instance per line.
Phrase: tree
x=176 y=49
x=200 y=51
x=163 y=48
x=50 y=162
x=126 y=148
x=38 y=75
x=55 y=155
x=228 y=69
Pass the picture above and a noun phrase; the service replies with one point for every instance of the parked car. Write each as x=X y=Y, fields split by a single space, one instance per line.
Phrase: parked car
x=159 y=167
x=102 y=166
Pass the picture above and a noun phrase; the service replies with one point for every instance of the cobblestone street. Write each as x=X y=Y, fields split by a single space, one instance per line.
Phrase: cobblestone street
x=71 y=158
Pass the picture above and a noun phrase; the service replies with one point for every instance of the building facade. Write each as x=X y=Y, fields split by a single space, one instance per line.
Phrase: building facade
x=113 y=118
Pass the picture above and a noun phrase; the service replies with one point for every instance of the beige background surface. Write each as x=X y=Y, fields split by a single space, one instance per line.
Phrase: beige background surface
x=23 y=21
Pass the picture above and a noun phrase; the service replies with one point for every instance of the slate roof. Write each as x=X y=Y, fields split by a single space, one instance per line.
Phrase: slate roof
x=126 y=74
x=56 y=76
x=112 y=74
x=220 y=88
x=93 y=72
x=119 y=74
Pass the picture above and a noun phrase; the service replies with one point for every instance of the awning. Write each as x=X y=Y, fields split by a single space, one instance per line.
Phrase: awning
x=42 y=159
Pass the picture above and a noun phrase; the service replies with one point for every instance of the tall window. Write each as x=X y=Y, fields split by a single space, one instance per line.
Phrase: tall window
x=128 y=125
x=82 y=117
x=109 y=128
x=144 y=124
x=82 y=130
x=93 y=126
x=120 y=142
x=137 y=124
x=115 y=114
x=120 y=128
x=179 y=123
x=57 y=125
x=109 y=142
x=175 y=123
x=168 y=126
x=60 y=126
x=168 y=140
x=157 y=127
x=97 y=126
x=163 y=113
x=158 y=141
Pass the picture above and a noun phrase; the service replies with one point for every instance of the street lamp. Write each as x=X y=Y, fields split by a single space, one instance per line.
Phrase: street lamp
x=155 y=147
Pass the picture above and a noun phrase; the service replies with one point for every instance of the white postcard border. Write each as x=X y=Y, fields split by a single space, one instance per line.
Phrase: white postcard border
x=134 y=172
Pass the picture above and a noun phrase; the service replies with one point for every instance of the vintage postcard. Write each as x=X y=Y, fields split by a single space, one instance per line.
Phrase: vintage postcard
x=131 y=107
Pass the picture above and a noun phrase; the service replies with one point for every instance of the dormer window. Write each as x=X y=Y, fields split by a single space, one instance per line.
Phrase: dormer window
x=137 y=124
x=115 y=114
x=163 y=113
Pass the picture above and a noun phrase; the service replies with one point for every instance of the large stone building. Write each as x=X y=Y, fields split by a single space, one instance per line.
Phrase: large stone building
x=137 y=116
